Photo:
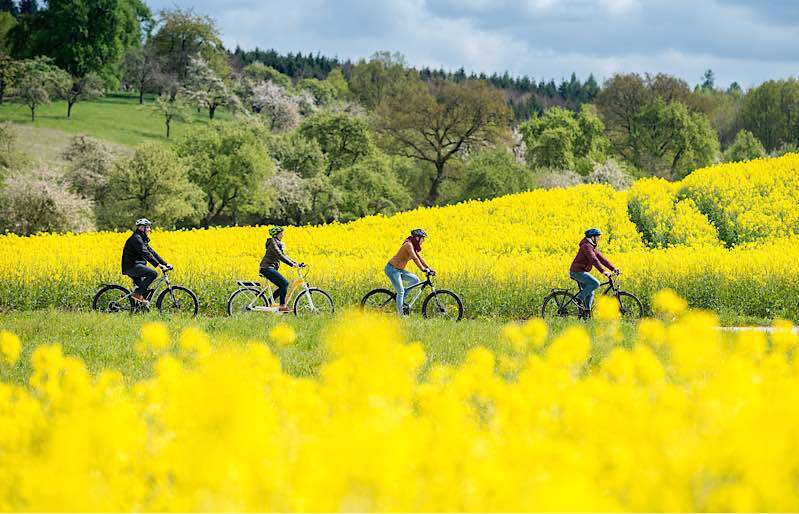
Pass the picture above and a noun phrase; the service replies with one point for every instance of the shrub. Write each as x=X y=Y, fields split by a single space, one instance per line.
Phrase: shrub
x=493 y=173
x=745 y=148
x=610 y=173
x=40 y=201
x=370 y=187
x=10 y=158
x=90 y=162
x=553 y=179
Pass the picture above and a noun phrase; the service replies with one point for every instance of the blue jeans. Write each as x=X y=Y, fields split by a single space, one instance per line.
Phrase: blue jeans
x=142 y=276
x=396 y=275
x=588 y=285
x=280 y=281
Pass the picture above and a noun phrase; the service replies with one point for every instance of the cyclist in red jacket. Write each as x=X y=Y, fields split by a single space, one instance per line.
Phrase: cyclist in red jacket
x=588 y=256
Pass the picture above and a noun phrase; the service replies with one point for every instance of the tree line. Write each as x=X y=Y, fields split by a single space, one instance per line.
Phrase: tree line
x=525 y=96
x=311 y=139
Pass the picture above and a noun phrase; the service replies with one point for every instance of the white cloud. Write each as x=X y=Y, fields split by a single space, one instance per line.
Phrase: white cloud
x=541 y=38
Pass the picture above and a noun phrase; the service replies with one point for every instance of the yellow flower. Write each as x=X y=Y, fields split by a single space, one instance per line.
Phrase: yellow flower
x=570 y=348
x=783 y=335
x=536 y=331
x=668 y=302
x=9 y=347
x=282 y=335
x=607 y=309
x=153 y=338
x=651 y=331
x=513 y=334
x=193 y=341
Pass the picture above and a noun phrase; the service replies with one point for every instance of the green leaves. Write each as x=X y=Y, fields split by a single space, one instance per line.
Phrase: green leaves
x=230 y=165
x=38 y=80
x=559 y=138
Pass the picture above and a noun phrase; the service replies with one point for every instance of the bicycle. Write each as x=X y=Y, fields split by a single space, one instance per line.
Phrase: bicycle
x=438 y=303
x=114 y=298
x=253 y=297
x=562 y=303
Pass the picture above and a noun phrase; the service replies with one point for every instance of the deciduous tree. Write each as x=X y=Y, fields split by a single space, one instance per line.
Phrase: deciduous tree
x=153 y=183
x=343 y=138
x=432 y=123
x=82 y=36
x=279 y=110
x=207 y=89
x=181 y=35
x=88 y=87
x=171 y=108
x=38 y=81
x=230 y=165
x=141 y=69
x=379 y=78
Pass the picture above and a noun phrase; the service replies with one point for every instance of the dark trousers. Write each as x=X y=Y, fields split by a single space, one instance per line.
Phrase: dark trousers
x=280 y=281
x=142 y=276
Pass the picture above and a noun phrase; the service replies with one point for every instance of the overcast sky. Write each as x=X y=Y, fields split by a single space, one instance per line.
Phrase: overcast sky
x=741 y=40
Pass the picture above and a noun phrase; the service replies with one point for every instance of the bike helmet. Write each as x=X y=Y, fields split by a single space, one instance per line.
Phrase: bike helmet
x=275 y=231
x=417 y=232
x=143 y=222
x=593 y=232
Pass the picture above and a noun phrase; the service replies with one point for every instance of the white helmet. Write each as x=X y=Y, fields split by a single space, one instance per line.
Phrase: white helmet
x=143 y=222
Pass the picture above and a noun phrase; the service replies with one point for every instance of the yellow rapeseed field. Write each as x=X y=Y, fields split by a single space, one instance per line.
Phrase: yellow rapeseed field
x=723 y=238
x=686 y=419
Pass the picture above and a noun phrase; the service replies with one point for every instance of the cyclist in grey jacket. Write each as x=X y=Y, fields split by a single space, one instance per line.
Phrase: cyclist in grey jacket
x=274 y=255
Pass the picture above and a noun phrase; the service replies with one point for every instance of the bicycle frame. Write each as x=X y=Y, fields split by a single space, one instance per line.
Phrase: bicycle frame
x=155 y=286
x=612 y=286
x=421 y=285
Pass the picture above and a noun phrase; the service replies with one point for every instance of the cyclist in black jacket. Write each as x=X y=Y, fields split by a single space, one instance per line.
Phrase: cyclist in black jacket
x=135 y=256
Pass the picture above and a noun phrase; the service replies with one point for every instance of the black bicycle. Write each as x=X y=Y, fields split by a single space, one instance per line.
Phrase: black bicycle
x=440 y=303
x=114 y=298
x=562 y=303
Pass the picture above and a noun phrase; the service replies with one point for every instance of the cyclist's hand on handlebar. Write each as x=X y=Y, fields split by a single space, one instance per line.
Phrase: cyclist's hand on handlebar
x=617 y=272
x=301 y=265
x=607 y=273
x=430 y=271
x=165 y=267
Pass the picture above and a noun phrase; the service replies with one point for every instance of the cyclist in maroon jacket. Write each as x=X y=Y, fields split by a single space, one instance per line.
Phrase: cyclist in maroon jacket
x=588 y=256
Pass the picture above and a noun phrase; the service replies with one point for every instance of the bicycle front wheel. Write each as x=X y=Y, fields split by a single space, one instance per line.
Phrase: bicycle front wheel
x=380 y=300
x=178 y=300
x=443 y=304
x=560 y=304
x=314 y=301
x=630 y=306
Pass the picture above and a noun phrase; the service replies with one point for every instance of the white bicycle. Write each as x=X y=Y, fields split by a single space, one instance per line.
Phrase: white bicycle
x=254 y=297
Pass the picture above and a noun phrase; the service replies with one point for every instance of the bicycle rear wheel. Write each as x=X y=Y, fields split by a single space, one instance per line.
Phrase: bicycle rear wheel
x=443 y=304
x=113 y=299
x=380 y=300
x=314 y=301
x=178 y=300
x=245 y=299
x=630 y=306
x=560 y=304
